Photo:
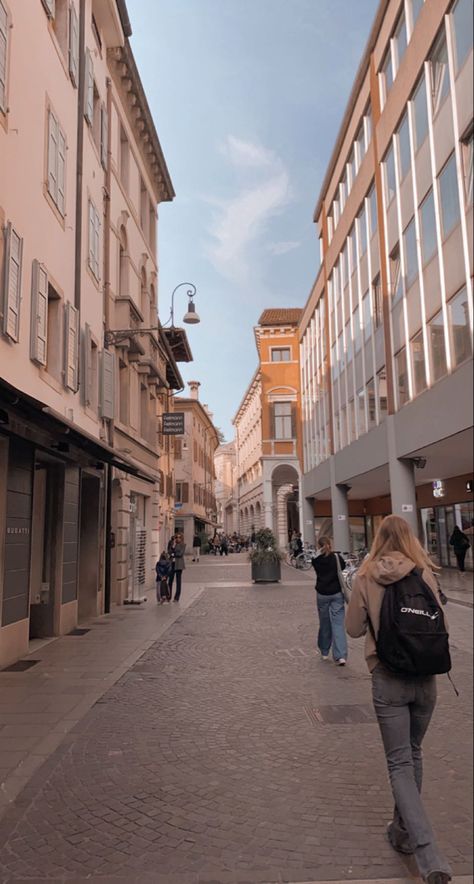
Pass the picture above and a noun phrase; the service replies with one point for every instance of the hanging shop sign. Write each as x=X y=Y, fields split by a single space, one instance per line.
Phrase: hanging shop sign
x=173 y=423
x=438 y=488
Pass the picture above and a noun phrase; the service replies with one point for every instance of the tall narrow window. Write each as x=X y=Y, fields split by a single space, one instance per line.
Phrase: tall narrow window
x=372 y=411
x=403 y=139
x=378 y=303
x=94 y=240
x=362 y=230
x=400 y=39
x=283 y=419
x=361 y=412
x=356 y=328
x=411 y=259
x=389 y=174
x=3 y=57
x=449 y=196
x=428 y=227
x=372 y=199
x=401 y=372
x=360 y=145
x=458 y=312
x=439 y=73
x=382 y=393
x=420 y=110
x=463 y=27
x=387 y=74
x=437 y=347
x=467 y=162
x=56 y=162
x=418 y=363
x=366 y=317
x=54 y=335
x=12 y=283
x=348 y=342
x=396 y=285
x=124 y=165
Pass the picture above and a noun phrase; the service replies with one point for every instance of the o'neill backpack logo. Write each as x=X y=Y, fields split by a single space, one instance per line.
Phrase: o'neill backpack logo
x=421 y=613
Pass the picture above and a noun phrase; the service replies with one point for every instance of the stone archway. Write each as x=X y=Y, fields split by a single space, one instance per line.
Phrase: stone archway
x=285 y=484
x=258 y=515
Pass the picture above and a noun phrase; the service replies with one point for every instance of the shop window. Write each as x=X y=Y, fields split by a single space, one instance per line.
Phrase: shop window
x=467 y=163
x=403 y=139
x=458 y=312
x=439 y=73
x=389 y=175
x=449 y=196
x=428 y=227
x=463 y=27
x=420 y=113
x=396 y=285
x=401 y=375
x=411 y=259
x=418 y=363
x=382 y=393
x=280 y=354
x=437 y=347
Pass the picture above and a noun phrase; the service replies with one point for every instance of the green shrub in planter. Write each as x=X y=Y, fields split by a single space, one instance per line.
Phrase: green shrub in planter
x=265 y=558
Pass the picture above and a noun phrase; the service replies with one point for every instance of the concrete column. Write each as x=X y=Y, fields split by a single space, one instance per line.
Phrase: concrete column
x=268 y=504
x=307 y=519
x=402 y=481
x=340 y=513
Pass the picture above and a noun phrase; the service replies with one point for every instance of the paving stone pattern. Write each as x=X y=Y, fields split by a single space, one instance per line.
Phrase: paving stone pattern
x=214 y=759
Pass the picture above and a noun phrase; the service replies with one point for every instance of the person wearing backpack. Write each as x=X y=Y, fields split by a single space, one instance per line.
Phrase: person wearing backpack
x=395 y=603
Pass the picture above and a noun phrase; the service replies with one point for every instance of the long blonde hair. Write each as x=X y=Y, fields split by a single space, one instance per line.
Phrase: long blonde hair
x=325 y=546
x=395 y=535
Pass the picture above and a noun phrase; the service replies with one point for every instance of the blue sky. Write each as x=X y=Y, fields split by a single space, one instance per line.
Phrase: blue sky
x=247 y=98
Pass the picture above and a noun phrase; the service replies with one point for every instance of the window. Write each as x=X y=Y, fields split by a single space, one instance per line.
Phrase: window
x=283 y=418
x=280 y=354
x=378 y=303
x=368 y=125
x=418 y=363
x=124 y=392
x=60 y=24
x=356 y=328
x=439 y=73
x=56 y=162
x=387 y=75
x=403 y=139
x=89 y=89
x=361 y=412
x=49 y=6
x=94 y=240
x=342 y=193
x=124 y=161
x=348 y=342
x=420 y=113
x=449 y=196
x=335 y=211
x=458 y=312
x=411 y=260
x=401 y=374
x=467 y=157
x=366 y=316
x=416 y=7
x=351 y=170
x=360 y=145
x=73 y=46
x=144 y=411
x=389 y=175
x=437 y=347
x=90 y=368
x=400 y=39
x=54 y=335
x=463 y=27
x=12 y=283
x=382 y=393
x=372 y=200
x=3 y=56
x=104 y=135
x=396 y=286
x=372 y=412
x=362 y=228
x=428 y=227
x=352 y=250
x=352 y=420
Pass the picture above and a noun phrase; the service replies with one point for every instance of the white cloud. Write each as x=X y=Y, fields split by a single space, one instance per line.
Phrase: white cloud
x=281 y=248
x=240 y=222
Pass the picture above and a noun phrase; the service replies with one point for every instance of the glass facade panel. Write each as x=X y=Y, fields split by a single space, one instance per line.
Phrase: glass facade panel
x=352 y=250
x=439 y=73
x=463 y=27
x=458 y=312
x=361 y=412
x=372 y=411
x=404 y=147
x=360 y=145
x=378 y=303
x=362 y=227
x=418 y=363
x=401 y=376
x=437 y=347
x=428 y=227
x=366 y=317
x=387 y=72
x=401 y=39
x=348 y=342
x=396 y=284
x=411 y=259
x=420 y=109
x=382 y=393
x=356 y=328
x=467 y=161
x=416 y=6
x=449 y=196
x=389 y=175
x=372 y=199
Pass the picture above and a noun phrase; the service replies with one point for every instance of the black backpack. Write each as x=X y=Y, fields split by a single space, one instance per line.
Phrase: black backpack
x=412 y=638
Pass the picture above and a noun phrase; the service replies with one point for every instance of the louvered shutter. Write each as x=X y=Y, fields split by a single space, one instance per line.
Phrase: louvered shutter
x=293 y=420
x=3 y=55
x=50 y=7
x=87 y=365
x=39 y=313
x=104 y=135
x=185 y=492
x=97 y=243
x=91 y=235
x=60 y=200
x=73 y=44
x=53 y=136
x=107 y=385
x=71 y=355
x=12 y=283
x=89 y=89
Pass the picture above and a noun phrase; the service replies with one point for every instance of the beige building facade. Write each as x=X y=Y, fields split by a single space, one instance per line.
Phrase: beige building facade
x=386 y=334
x=79 y=469
x=226 y=478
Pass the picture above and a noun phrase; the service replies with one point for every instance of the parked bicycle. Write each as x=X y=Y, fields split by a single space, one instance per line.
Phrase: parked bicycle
x=302 y=560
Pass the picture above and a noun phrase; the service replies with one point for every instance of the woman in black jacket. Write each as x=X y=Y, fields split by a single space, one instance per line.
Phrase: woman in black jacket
x=460 y=544
x=330 y=602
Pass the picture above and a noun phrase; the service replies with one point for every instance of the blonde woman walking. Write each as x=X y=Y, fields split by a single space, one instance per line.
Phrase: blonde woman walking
x=403 y=703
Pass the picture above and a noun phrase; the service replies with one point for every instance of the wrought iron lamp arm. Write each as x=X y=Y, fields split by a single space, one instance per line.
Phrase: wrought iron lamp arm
x=190 y=293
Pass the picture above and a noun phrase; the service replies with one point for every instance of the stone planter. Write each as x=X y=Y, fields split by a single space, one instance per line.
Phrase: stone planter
x=266 y=572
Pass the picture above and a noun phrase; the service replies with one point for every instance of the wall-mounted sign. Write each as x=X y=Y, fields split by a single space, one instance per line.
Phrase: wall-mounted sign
x=341 y=518
x=173 y=423
x=407 y=507
x=438 y=488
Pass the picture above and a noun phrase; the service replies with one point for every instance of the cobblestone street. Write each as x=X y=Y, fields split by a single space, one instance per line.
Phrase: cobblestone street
x=229 y=752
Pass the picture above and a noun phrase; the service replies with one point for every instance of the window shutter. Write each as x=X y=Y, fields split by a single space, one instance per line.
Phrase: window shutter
x=89 y=89
x=185 y=492
x=53 y=136
x=73 y=44
x=61 y=202
x=87 y=365
x=3 y=55
x=96 y=242
x=39 y=314
x=91 y=235
x=71 y=355
x=104 y=135
x=49 y=6
x=293 y=420
x=107 y=386
x=272 y=421
x=12 y=283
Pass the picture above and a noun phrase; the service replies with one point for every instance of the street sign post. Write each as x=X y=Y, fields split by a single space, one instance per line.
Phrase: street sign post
x=173 y=423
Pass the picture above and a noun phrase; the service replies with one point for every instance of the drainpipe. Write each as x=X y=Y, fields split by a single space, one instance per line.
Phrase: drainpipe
x=80 y=157
x=106 y=310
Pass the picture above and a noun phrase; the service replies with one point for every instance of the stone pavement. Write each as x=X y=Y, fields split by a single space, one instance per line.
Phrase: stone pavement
x=228 y=752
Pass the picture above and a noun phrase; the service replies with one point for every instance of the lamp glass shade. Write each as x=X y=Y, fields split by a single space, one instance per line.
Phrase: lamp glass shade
x=191 y=317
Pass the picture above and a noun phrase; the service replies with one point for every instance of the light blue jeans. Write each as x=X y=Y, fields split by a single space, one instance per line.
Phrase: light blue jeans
x=331 y=625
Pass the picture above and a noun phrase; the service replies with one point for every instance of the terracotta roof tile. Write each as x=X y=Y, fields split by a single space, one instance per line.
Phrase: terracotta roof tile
x=281 y=316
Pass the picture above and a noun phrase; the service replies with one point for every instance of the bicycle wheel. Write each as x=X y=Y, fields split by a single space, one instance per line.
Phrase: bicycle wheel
x=303 y=562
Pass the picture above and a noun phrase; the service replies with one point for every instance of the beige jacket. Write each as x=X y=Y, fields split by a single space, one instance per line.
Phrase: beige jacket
x=367 y=594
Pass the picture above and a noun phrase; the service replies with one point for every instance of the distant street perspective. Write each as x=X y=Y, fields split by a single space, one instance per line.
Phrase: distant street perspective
x=236 y=441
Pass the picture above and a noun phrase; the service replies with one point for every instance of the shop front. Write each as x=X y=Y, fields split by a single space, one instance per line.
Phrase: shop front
x=445 y=504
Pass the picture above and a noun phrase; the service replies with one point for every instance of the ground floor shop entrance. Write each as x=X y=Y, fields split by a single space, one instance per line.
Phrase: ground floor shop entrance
x=437 y=526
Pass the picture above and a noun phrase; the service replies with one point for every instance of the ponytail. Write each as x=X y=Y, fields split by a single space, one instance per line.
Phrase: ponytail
x=325 y=545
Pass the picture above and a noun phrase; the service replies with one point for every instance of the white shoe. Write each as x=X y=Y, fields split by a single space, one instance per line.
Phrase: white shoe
x=323 y=656
x=342 y=661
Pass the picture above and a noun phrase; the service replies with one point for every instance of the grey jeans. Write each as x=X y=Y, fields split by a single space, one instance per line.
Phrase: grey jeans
x=404 y=707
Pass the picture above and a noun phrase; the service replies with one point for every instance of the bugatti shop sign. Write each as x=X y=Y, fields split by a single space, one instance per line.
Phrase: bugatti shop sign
x=173 y=423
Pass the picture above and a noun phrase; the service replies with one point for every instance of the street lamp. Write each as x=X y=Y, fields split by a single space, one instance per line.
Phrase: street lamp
x=120 y=335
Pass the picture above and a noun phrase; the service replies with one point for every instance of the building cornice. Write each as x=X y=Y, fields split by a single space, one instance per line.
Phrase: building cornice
x=251 y=389
x=124 y=71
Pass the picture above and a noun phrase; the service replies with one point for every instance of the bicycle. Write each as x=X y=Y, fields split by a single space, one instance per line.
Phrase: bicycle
x=301 y=561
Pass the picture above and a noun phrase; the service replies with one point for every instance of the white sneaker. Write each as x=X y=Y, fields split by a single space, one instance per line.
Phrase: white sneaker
x=323 y=656
x=342 y=661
